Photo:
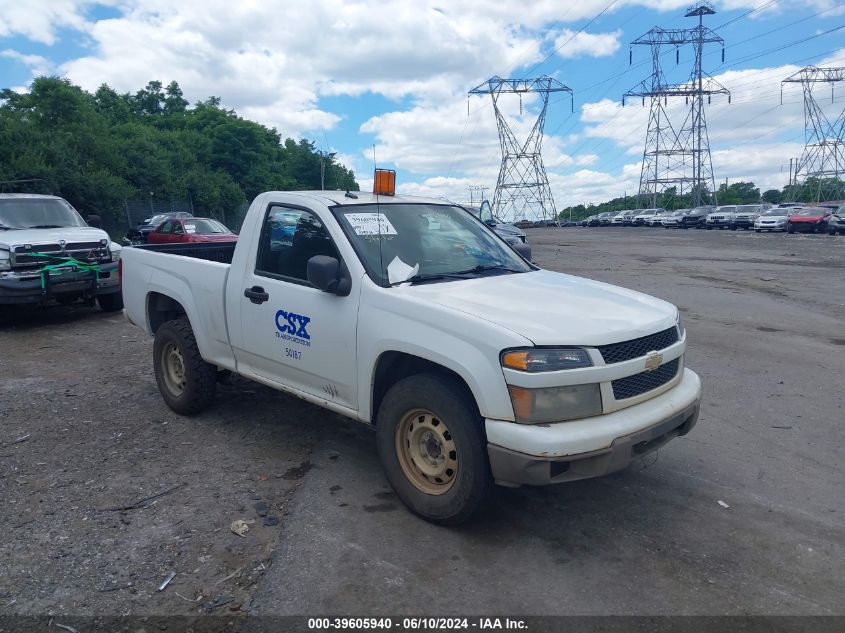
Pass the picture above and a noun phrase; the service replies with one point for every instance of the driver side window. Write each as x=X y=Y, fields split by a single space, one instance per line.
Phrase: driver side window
x=289 y=238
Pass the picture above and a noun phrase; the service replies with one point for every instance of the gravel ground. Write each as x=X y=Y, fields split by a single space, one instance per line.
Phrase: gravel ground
x=86 y=444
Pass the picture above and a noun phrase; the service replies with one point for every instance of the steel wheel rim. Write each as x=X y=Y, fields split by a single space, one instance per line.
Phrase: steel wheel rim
x=427 y=452
x=173 y=369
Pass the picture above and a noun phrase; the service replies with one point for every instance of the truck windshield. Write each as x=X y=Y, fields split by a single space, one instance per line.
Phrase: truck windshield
x=402 y=242
x=38 y=213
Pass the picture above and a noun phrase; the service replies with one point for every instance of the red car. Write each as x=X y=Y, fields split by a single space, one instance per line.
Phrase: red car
x=184 y=230
x=810 y=219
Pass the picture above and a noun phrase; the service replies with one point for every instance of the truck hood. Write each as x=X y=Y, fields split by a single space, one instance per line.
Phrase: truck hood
x=508 y=229
x=70 y=234
x=552 y=308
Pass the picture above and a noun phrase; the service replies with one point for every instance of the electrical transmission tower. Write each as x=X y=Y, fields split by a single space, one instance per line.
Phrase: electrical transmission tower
x=522 y=187
x=822 y=164
x=678 y=155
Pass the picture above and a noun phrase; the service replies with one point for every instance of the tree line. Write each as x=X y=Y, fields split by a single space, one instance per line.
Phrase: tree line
x=98 y=150
x=735 y=193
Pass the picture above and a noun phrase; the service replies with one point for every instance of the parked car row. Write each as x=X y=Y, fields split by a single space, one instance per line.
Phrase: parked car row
x=179 y=227
x=789 y=217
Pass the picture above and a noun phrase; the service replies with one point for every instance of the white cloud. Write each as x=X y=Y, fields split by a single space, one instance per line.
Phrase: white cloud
x=39 y=21
x=37 y=64
x=583 y=44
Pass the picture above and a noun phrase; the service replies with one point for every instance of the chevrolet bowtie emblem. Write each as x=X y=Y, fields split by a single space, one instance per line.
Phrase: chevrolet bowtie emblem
x=62 y=243
x=653 y=360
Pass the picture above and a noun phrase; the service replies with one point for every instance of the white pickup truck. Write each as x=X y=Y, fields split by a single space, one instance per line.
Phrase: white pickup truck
x=473 y=365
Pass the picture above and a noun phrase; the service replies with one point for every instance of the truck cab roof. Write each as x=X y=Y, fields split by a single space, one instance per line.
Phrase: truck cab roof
x=332 y=198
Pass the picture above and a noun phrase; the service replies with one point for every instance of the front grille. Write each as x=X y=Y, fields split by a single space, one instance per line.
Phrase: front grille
x=620 y=352
x=644 y=382
x=89 y=252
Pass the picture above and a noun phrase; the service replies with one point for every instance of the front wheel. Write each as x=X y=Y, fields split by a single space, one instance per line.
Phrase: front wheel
x=758 y=230
x=790 y=228
x=186 y=382
x=832 y=232
x=111 y=302
x=433 y=449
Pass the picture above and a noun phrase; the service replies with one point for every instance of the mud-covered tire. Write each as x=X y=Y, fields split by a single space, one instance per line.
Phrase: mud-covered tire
x=111 y=302
x=430 y=401
x=186 y=382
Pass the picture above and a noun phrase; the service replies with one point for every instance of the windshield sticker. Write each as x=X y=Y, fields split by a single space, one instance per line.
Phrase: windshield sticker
x=370 y=224
x=398 y=271
x=191 y=228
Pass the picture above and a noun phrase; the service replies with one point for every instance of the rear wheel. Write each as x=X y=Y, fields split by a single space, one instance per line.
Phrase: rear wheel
x=186 y=382
x=433 y=450
x=832 y=232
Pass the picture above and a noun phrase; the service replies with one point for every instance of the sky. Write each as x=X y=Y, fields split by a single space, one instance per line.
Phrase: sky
x=387 y=80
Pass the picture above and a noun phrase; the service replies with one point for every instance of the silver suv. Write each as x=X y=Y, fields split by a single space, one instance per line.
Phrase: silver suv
x=745 y=216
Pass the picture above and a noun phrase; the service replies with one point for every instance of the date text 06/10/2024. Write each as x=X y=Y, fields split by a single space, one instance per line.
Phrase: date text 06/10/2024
x=416 y=624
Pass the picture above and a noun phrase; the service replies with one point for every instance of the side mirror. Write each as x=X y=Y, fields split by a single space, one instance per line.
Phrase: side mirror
x=329 y=275
x=93 y=220
x=523 y=250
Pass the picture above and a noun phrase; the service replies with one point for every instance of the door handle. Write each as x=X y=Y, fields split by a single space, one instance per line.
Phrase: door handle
x=256 y=294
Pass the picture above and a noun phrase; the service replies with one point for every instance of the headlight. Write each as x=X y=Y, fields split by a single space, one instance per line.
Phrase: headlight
x=555 y=404
x=534 y=359
x=115 y=249
x=680 y=323
x=5 y=260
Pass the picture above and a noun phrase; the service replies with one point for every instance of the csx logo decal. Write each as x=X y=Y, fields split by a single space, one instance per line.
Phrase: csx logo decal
x=295 y=324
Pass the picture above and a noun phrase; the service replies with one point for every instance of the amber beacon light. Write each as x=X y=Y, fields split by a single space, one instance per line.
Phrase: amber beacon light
x=384 y=182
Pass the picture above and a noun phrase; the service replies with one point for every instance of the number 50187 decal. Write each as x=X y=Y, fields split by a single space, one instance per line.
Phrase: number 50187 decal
x=293 y=353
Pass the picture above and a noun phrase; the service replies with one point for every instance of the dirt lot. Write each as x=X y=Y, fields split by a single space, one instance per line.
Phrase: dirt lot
x=87 y=445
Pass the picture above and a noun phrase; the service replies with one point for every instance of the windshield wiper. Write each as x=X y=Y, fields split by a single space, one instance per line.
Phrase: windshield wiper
x=483 y=268
x=46 y=226
x=460 y=274
x=433 y=276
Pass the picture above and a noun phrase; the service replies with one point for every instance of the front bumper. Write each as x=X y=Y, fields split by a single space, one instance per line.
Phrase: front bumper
x=567 y=451
x=28 y=289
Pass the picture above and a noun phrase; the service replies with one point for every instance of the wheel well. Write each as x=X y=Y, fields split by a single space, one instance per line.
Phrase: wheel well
x=161 y=308
x=392 y=367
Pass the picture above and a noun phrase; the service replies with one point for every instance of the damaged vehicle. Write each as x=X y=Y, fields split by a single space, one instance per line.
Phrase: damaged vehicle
x=49 y=254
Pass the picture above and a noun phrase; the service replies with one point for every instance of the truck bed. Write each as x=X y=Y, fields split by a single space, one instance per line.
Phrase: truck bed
x=212 y=252
x=193 y=275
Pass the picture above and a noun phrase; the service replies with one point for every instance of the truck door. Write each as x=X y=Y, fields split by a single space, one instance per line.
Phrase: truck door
x=291 y=332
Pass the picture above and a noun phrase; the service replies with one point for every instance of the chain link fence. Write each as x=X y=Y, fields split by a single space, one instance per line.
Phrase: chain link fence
x=135 y=212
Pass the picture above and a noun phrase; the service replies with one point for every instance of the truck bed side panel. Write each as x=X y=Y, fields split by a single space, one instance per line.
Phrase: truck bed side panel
x=196 y=284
